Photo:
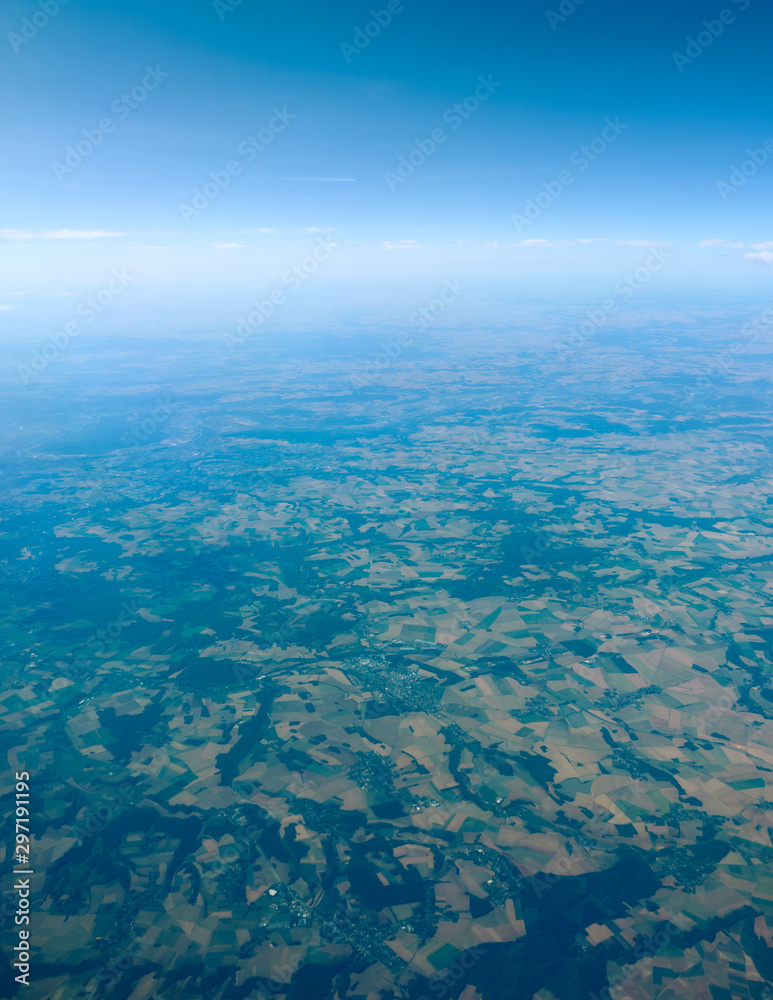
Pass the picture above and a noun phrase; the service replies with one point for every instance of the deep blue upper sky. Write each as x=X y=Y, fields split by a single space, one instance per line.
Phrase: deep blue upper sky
x=331 y=171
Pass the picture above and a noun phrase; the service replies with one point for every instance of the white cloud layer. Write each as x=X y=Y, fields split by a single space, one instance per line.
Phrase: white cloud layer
x=57 y=234
x=720 y=243
x=765 y=257
x=642 y=243
x=403 y=245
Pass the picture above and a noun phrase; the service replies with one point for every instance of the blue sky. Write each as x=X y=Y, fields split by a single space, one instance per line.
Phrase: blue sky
x=223 y=72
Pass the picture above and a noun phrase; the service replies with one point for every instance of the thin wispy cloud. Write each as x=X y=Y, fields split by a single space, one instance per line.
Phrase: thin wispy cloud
x=42 y=293
x=721 y=243
x=57 y=234
x=403 y=245
x=561 y=243
x=291 y=232
x=535 y=242
x=642 y=243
